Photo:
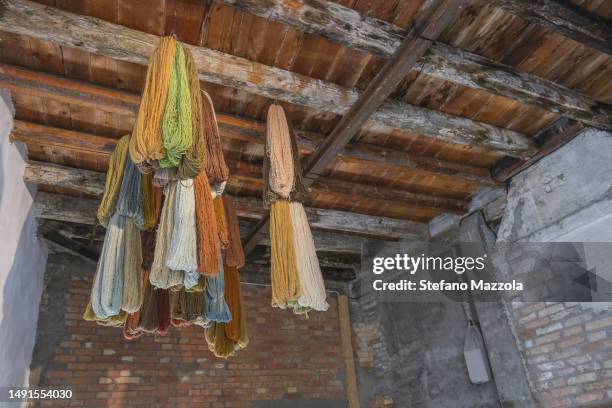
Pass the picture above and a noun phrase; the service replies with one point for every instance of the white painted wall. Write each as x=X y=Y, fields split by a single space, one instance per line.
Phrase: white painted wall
x=22 y=258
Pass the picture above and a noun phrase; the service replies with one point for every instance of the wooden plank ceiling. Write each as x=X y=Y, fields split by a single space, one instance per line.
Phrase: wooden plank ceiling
x=68 y=98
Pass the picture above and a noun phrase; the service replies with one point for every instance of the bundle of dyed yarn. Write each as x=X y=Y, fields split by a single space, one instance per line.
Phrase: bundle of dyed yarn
x=171 y=253
x=297 y=282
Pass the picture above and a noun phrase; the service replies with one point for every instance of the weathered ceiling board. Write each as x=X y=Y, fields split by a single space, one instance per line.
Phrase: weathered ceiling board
x=497 y=34
x=249 y=102
x=602 y=8
x=379 y=157
x=419 y=205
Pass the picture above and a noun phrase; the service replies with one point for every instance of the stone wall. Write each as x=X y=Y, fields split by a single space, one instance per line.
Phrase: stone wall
x=567 y=347
x=411 y=354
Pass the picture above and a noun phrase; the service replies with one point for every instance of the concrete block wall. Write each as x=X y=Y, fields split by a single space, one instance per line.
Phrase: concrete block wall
x=411 y=354
x=290 y=361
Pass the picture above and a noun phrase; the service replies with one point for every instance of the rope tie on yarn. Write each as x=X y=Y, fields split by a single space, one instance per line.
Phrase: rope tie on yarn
x=146 y=142
x=182 y=251
x=206 y=227
x=114 y=176
x=162 y=177
x=161 y=276
x=284 y=275
x=194 y=160
x=177 y=125
x=130 y=203
x=216 y=307
x=234 y=253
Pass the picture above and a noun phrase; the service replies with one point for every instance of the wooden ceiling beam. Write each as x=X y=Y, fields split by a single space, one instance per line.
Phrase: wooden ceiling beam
x=91 y=183
x=550 y=139
x=564 y=18
x=358 y=31
x=83 y=211
x=428 y=27
x=121 y=43
x=243 y=172
x=324 y=241
x=34 y=83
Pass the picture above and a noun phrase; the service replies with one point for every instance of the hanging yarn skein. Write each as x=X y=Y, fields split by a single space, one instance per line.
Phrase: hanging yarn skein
x=234 y=253
x=148 y=201
x=161 y=276
x=162 y=261
x=176 y=125
x=146 y=143
x=313 y=293
x=221 y=222
x=284 y=275
x=114 y=177
x=278 y=150
x=232 y=298
x=182 y=251
x=129 y=203
x=297 y=281
x=132 y=268
x=209 y=247
x=194 y=159
x=216 y=168
x=107 y=290
x=216 y=307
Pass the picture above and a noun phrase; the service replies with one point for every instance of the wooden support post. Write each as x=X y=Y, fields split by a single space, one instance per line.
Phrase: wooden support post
x=344 y=321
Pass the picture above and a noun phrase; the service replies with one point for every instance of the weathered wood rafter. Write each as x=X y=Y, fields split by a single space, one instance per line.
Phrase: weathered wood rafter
x=564 y=18
x=70 y=91
x=355 y=30
x=550 y=139
x=92 y=182
x=90 y=34
x=428 y=27
x=83 y=211
x=324 y=241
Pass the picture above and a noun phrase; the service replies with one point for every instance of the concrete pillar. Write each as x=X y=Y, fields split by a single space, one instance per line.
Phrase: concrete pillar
x=22 y=258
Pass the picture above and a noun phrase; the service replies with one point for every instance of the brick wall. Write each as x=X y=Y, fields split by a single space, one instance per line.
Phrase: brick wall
x=289 y=358
x=568 y=352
